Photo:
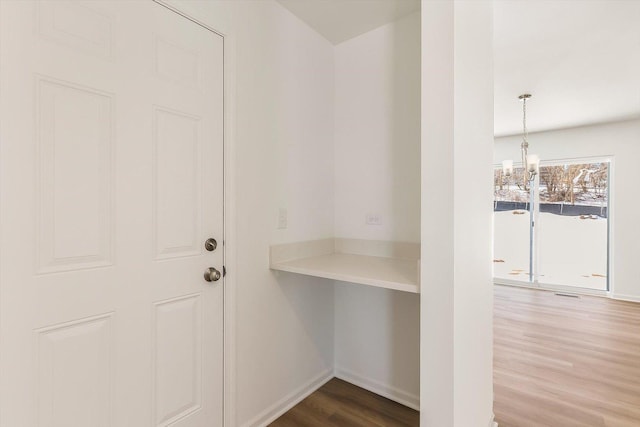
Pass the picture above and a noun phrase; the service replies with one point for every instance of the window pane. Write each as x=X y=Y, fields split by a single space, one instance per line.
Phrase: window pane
x=572 y=226
x=510 y=227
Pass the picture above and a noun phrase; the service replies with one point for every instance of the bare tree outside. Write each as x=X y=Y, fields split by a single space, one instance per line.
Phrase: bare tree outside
x=576 y=184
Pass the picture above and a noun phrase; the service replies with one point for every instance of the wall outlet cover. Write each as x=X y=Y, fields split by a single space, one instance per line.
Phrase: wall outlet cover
x=373 y=219
x=282 y=218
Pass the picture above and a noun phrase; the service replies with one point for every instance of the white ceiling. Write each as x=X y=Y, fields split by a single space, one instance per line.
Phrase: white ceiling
x=579 y=59
x=341 y=20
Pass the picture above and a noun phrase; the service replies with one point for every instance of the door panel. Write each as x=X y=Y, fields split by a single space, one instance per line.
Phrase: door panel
x=76 y=373
x=74 y=139
x=82 y=26
x=110 y=183
x=177 y=156
x=178 y=358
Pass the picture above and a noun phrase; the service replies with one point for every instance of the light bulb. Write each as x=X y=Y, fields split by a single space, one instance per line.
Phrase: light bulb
x=533 y=163
x=507 y=167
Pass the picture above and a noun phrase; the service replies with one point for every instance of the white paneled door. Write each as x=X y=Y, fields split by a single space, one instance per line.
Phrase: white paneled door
x=111 y=133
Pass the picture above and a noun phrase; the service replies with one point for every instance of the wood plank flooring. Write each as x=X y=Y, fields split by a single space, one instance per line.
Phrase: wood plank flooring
x=340 y=404
x=558 y=362
x=565 y=362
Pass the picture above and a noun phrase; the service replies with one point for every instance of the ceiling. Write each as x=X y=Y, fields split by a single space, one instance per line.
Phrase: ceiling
x=580 y=59
x=341 y=20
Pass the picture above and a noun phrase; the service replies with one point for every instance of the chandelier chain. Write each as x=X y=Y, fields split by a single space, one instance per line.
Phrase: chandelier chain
x=524 y=119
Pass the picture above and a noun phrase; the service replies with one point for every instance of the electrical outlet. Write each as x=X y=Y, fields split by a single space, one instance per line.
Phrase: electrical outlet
x=373 y=219
x=282 y=218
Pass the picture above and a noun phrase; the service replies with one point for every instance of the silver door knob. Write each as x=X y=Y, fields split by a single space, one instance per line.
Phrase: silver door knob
x=211 y=244
x=212 y=275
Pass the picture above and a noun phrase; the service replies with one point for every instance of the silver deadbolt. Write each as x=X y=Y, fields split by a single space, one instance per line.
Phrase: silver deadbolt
x=211 y=244
x=212 y=275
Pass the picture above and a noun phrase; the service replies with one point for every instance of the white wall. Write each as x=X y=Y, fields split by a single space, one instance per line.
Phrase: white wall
x=457 y=141
x=377 y=133
x=377 y=340
x=621 y=141
x=377 y=171
x=285 y=125
x=284 y=158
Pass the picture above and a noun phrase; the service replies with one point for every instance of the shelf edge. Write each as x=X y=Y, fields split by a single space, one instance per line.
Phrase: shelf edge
x=404 y=287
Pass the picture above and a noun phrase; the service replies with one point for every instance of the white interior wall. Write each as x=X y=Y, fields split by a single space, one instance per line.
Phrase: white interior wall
x=457 y=139
x=284 y=128
x=621 y=141
x=284 y=123
x=377 y=171
x=377 y=341
x=285 y=118
x=377 y=133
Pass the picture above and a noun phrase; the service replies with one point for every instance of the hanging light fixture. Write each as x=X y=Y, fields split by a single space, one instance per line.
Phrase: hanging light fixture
x=530 y=162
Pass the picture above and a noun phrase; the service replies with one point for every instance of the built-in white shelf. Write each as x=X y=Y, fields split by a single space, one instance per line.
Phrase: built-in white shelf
x=390 y=265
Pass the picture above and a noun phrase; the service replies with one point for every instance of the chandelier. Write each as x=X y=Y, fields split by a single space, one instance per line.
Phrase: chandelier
x=530 y=162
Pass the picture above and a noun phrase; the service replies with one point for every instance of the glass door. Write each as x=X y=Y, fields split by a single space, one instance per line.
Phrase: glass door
x=573 y=225
x=512 y=260
x=556 y=233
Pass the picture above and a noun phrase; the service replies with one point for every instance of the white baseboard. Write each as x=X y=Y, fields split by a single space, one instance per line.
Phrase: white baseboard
x=276 y=410
x=632 y=298
x=404 y=398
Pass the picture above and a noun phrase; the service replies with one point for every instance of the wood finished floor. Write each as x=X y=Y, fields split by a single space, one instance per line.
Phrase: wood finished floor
x=558 y=362
x=565 y=362
x=340 y=404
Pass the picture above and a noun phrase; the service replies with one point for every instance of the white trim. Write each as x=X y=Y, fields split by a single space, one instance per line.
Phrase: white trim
x=552 y=288
x=230 y=252
x=405 y=398
x=621 y=297
x=230 y=228
x=611 y=215
x=230 y=223
x=276 y=410
x=579 y=291
x=516 y=283
x=572 y=289
x=177 y=9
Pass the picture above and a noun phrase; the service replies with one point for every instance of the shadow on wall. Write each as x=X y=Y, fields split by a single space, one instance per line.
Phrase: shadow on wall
x=400 y=310
x=404 y=127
